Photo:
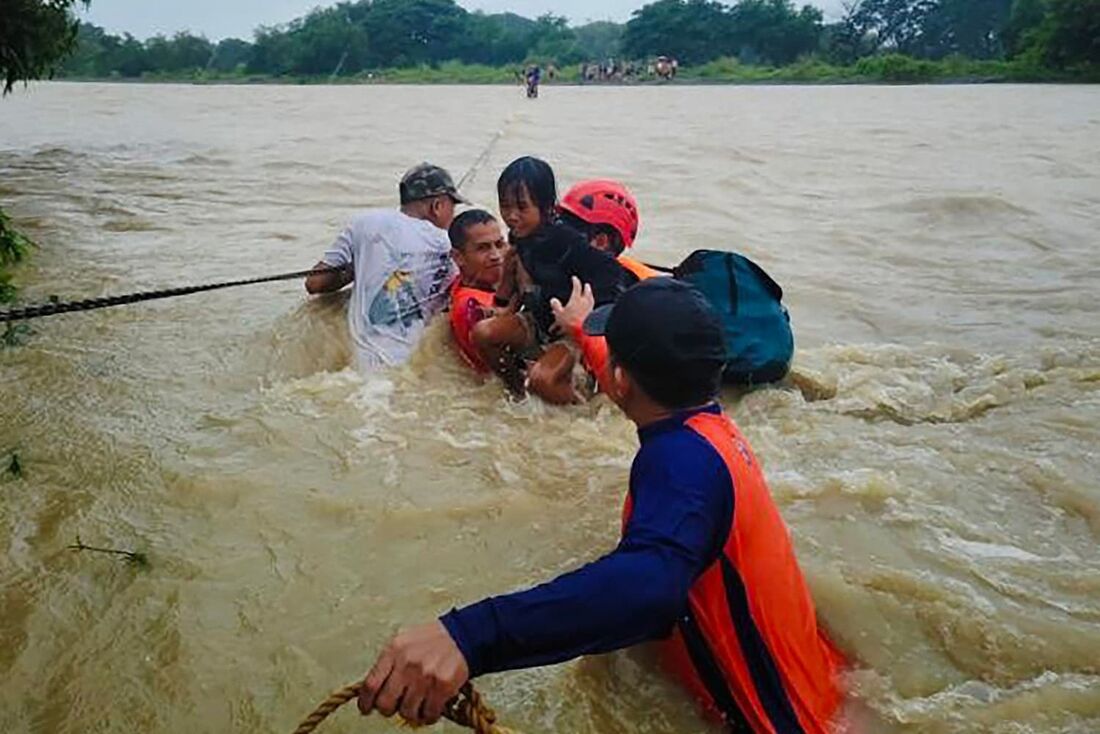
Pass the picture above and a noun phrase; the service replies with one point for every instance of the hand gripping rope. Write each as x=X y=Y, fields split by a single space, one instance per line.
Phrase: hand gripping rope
x=466 y=709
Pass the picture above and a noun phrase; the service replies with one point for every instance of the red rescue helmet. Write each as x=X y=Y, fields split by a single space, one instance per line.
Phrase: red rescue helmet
x=602 y=201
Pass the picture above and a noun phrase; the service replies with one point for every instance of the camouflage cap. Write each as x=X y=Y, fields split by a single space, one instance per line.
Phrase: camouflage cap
x=424 y=181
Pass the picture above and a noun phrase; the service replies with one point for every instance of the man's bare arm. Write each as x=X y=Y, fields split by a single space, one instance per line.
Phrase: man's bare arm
x=329 y=282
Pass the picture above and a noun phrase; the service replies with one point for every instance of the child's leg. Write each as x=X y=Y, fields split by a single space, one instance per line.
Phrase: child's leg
x=551 y=377
x=502 y=340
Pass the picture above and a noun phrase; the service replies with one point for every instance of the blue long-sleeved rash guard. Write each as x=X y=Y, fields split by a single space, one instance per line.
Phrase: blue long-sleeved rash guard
x=682 y=511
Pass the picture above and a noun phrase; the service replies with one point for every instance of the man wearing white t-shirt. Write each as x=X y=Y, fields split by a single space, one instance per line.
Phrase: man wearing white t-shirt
x=400 y=264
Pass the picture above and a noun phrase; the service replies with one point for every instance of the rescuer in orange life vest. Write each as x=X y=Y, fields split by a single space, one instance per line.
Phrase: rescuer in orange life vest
x=607 y=214
x=478 y=248
x=705 y=563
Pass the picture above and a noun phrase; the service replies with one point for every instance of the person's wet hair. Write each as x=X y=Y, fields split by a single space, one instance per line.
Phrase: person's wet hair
x=591 y=230
x=537 y=177
x=462 y=223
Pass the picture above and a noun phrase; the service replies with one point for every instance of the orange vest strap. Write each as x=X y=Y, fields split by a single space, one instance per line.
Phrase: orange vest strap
x=640 y=269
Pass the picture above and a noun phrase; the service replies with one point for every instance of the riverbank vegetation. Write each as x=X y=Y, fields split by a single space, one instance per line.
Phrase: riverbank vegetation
x=14 y=248
x=426 y=41
x=34 y=37
x=887 y=69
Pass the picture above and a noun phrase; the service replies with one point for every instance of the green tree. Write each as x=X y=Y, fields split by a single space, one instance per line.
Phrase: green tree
x=329 y=39
x=693 y=31
x=923 y=28
x=972 y=28
x=86 y=55
x=272 y=51
x=773 y=31
x=182 y=52
x=599 y=40
x=1023 y=21
x=231 y=54
x=890 y=25
x=126 y=56
x=553 y=40
x=1070 y=33
x=35 y=35
x=98 y=54
x=494 y=39
x=411 y=32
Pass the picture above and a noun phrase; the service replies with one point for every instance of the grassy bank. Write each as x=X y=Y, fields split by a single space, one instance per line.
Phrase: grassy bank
x=887 y=69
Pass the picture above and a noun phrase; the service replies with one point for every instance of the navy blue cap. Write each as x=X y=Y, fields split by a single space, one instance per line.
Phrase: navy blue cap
x=660 y=323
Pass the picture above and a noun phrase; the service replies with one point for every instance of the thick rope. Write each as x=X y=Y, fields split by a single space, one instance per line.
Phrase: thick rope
x=480 y=160
x=466 y=709
x=51 y=309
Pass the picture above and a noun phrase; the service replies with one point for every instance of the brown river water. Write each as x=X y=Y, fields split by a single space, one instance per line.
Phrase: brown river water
x=935 y=452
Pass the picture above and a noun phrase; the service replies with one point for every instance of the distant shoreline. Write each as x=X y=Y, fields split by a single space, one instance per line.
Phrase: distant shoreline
x=321 y=82
x=890 y=69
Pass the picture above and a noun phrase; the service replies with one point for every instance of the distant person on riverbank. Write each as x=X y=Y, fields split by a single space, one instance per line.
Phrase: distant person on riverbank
x=704 y=563
x=534 y=78
x=665 y=69
x=399 y=262
x=479 y=249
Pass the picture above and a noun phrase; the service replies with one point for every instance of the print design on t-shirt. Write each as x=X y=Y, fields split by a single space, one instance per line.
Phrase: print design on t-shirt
x=395 y=303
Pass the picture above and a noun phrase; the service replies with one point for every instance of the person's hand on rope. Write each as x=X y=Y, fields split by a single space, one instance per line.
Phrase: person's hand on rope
x=334 y=278
x=570 y=317
x=418 y=671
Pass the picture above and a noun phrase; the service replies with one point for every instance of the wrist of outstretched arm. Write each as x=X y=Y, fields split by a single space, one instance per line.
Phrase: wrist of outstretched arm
x=474 y=631
x=576 y=333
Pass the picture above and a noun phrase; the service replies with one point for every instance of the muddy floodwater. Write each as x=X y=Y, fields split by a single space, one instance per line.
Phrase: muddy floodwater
x=936 y=450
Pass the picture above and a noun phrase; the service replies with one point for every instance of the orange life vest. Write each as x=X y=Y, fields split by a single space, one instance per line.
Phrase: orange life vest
x=749 y=646
x=640 y=269
x=467 y=304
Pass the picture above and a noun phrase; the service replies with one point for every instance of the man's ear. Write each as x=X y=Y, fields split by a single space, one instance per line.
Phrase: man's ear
x=438 y=207
x=602 y=242
x=622 y=386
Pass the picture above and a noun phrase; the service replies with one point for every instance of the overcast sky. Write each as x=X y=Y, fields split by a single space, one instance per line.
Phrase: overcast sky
x=217 y=19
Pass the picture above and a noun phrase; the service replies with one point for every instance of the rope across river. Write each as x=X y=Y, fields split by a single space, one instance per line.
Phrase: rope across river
x=467 y=709
x=91 y=304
